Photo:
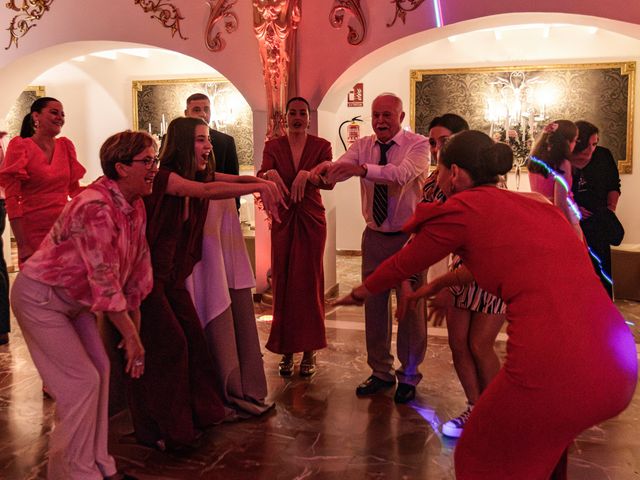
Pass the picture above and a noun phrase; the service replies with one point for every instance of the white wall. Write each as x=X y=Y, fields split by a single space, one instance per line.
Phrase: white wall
x=97 y=95
x=524 y=46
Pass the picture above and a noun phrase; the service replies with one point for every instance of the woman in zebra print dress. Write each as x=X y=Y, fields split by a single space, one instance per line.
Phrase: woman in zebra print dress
x=475 y=318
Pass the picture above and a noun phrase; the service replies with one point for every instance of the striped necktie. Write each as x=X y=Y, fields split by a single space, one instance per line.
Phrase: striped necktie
x=380 y=190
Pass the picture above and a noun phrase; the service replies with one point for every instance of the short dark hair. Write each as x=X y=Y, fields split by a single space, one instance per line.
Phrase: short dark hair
x=197 y=96
x=297 y=99
x=27 y=129
x=585 y=131
x=478 y=154
x=178 y=151
x=121 y=148
x=451 y=121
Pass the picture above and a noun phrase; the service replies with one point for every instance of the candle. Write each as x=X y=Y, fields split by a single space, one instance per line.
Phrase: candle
x=150 y=132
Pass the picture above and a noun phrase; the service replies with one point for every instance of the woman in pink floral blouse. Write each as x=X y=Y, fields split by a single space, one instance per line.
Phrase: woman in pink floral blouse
x=94 y=260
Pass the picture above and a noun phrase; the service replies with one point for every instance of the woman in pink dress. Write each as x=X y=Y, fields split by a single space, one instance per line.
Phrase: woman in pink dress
x=571 y=359
x=89 y=264
x=297 y=243
x=39 y=175
x=550 y=169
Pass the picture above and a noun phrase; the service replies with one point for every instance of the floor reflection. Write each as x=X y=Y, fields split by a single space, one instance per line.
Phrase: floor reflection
x=319 y=429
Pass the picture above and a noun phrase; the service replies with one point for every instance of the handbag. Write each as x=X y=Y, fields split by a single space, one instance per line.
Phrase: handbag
x=604 y=226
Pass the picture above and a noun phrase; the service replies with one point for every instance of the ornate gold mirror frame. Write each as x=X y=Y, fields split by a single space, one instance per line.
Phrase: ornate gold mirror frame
x=22 y=105
x=157 y=102
x=514 y=103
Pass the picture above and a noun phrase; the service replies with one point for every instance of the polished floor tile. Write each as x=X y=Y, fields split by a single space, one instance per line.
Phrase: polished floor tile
x=318 y=429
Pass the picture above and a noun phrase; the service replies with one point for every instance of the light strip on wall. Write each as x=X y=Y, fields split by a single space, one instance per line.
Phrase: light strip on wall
x=437 y=8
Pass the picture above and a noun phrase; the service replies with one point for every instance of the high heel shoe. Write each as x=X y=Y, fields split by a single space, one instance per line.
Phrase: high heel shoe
x=308 y=366
x=285 y=367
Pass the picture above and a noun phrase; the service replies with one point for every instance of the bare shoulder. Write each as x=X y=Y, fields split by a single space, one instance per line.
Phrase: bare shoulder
x=534 y=196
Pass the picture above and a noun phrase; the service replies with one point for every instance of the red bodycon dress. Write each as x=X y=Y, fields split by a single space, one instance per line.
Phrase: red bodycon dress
x=571 y=359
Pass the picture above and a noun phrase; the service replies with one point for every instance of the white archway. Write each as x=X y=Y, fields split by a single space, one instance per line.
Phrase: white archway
x=524 y=39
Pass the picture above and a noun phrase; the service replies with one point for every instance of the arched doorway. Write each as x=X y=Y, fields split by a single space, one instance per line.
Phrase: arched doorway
x=500 y=40
x=94 y=81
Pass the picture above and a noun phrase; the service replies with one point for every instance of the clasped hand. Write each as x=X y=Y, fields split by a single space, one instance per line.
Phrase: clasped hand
x=272 y=198
x=333 y=172
x=437 y=297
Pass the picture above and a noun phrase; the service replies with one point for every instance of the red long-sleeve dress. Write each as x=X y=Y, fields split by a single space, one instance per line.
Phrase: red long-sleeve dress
x=297 y=249
x=37 y=190
x=571 y=359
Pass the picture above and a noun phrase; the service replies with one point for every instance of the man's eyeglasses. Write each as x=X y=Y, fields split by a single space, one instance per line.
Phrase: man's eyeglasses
x=149 y=162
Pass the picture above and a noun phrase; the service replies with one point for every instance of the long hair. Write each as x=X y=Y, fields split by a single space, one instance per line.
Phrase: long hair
x=553 y=146
x=178 y=152
x=28 y=128
x=478 y=154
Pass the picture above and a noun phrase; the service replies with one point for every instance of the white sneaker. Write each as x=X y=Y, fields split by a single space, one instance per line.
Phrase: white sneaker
x=453 y=428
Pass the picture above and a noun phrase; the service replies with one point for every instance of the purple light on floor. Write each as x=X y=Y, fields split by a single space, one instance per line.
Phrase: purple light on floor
x=429 y=415
x=437 y=8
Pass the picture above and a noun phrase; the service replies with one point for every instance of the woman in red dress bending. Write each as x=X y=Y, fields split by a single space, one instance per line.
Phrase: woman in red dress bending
x=39 y=175
x=571 y=359
x=297 y=243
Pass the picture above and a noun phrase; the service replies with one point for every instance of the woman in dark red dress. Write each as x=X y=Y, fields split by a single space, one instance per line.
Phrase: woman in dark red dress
x=571 y=359
x=178 y=394
x=297 y=243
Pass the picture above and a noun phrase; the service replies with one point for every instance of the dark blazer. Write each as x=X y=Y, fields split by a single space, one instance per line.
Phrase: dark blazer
x=224 y=151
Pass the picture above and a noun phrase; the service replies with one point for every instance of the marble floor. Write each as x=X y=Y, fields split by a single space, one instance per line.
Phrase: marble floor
x=318 y=429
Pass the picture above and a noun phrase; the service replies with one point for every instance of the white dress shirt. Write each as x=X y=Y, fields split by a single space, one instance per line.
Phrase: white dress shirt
x=405 y=174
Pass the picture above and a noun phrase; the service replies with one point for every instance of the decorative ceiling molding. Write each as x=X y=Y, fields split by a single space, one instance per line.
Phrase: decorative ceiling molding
x=220 y=10
x=166 y=13
x=336 y=18
x=275 y=23
x=30 y=12
x=402 y=8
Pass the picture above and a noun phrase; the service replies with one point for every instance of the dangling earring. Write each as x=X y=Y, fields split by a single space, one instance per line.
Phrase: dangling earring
x=36 y=124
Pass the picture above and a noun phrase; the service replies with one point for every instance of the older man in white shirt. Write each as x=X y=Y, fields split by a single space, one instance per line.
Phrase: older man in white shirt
x=392 y=165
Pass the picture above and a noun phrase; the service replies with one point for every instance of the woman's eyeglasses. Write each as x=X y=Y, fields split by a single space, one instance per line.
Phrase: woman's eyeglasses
x=149 y=162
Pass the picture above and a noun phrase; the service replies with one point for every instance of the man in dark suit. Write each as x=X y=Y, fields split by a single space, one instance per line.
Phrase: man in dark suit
x=224 y=146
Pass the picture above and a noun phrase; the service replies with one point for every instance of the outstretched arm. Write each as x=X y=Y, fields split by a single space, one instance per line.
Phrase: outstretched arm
x=269 y=193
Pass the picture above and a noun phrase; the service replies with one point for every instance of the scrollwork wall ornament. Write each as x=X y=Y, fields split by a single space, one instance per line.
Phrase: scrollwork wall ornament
x=166 y=13
x=275 y=23
x=30 y=12
x=402 y=8
x=220 y=10
x=336 y=18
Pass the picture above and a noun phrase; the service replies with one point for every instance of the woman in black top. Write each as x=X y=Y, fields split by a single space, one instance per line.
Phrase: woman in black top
x=596 y=189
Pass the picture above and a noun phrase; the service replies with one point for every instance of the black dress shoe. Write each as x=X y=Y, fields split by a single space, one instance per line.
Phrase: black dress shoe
x=373 y=385
x=404 y=393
